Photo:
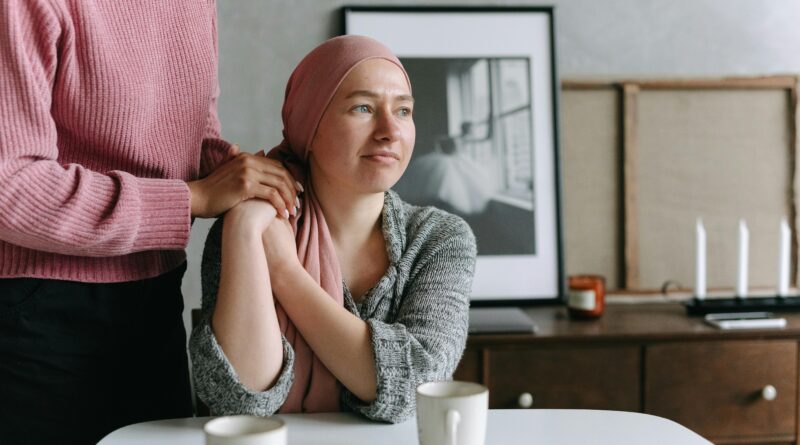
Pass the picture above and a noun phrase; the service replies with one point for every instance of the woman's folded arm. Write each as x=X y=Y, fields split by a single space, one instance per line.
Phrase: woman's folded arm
x=425 y=341
x=218 y=377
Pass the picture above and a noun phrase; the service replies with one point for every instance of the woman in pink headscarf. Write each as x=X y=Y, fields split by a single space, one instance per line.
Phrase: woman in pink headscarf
x=354 y=297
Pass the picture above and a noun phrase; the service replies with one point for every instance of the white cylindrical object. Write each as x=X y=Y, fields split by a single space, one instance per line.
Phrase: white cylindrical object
x=700 y=260
x=741 y=270
x=783 y=259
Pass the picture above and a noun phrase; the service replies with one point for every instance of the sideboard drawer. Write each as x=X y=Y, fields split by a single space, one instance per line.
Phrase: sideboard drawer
x=588 y=377
x=716 y=388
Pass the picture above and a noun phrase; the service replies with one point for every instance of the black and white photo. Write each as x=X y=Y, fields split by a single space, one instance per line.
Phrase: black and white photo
x=473 y=155
x=485 y=89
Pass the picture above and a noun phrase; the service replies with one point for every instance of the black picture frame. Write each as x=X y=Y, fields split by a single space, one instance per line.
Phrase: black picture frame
x=517 y=276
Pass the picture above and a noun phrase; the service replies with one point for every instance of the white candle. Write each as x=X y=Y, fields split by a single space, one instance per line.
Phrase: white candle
x=700 y=260
x=783 y=259
x=744 y=245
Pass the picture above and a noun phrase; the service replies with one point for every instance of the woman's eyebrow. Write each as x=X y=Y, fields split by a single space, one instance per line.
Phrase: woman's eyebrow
x=374 y=95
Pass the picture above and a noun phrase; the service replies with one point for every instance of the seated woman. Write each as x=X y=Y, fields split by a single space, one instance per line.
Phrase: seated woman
x=356 y=298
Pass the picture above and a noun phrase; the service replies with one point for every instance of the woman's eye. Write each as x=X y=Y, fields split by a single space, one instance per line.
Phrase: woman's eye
x=361 y=109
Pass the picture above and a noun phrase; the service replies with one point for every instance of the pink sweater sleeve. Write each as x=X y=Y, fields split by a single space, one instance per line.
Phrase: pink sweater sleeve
x=215 y=150
x=66 y=208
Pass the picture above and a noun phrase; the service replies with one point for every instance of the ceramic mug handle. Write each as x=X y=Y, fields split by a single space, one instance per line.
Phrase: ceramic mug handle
x=453 y=418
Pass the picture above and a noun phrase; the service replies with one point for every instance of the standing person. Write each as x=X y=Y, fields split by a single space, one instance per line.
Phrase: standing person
x=109 y=145
x=361 y=297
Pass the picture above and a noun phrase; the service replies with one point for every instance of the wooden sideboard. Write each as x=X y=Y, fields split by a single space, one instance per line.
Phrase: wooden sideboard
x=731 y=387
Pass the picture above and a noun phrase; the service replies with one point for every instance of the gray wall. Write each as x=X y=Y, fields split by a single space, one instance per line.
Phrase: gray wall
x=261 y=41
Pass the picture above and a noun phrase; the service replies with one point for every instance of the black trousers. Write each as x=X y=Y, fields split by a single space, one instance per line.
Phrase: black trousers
x=79 y=360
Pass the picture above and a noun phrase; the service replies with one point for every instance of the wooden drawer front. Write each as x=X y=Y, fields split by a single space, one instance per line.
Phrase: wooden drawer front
x=573 y=377
x=714 y=388
x=469 y=368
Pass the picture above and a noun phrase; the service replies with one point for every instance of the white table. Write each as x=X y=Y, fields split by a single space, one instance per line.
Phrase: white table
x=505 y=427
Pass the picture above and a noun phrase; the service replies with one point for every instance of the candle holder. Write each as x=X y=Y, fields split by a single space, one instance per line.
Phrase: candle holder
x=703 y=306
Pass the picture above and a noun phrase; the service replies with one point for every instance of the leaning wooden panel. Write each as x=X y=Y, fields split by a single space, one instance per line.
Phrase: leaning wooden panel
x=591 y=182
x=630 y=187
x=716 y=154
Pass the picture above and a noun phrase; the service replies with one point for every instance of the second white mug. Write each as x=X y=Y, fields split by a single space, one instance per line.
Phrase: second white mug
x=452 y=413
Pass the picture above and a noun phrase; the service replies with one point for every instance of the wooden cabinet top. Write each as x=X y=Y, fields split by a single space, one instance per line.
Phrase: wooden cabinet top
x=646 y=322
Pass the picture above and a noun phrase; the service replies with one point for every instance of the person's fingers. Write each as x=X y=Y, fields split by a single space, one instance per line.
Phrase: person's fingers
x=240 y=163
x=247 y=176
x=287 y=193
x=234 y=150
x=272 y=196
x=275 y=167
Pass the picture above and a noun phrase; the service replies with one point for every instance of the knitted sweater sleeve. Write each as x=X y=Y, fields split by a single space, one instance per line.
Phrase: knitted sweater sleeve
x=215 y=379
x=67 y=209
x=425 y=341
x=215 y=150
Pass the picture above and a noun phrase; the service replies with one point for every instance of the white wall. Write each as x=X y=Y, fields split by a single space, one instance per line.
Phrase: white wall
x=261 y=41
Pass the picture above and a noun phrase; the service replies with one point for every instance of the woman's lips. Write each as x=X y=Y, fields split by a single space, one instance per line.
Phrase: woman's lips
x=383 y=158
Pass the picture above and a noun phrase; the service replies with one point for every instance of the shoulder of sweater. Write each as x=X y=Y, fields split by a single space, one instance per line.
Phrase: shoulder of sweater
x=430 y=222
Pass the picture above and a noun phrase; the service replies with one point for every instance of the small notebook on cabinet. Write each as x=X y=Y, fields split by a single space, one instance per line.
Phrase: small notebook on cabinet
x=745 y=320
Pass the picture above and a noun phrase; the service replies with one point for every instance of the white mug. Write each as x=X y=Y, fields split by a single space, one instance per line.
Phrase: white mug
x=245 y=430
x=452 y=413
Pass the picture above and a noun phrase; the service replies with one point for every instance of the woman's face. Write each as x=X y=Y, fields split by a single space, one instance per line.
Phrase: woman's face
x=366 y=135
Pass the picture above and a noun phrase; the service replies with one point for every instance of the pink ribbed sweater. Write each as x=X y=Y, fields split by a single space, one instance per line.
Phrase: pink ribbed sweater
x=106 y=109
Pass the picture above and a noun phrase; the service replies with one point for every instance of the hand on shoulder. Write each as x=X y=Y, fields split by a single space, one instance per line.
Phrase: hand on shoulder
x=243 y=177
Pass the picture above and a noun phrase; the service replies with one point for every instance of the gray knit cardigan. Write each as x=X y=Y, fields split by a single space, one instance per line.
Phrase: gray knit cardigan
x=417 y=315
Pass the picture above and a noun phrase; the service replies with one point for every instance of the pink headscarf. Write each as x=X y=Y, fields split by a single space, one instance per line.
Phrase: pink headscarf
x=308 y=93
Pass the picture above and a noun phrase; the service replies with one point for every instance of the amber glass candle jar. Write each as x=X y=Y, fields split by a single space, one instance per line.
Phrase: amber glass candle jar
x=586 y=297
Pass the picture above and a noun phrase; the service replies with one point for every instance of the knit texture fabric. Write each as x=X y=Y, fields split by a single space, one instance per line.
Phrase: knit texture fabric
x=106 y=109
x=417 y=313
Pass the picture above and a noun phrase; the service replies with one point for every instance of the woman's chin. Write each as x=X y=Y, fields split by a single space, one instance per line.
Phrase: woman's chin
x=378 y=183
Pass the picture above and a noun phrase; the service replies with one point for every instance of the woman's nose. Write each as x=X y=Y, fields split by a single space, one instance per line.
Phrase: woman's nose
x=387 y=128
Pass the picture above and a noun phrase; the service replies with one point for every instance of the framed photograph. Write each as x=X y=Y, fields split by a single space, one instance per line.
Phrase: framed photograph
x=486 y=95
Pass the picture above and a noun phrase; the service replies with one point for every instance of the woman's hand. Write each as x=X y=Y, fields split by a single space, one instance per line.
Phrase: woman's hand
x=281 y=252
x=245 y=176
x=252 y=217
x=258 y=218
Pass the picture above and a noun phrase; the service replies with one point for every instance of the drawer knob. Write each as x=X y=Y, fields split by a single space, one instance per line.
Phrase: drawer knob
x=769 y=393
x=525 y=400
